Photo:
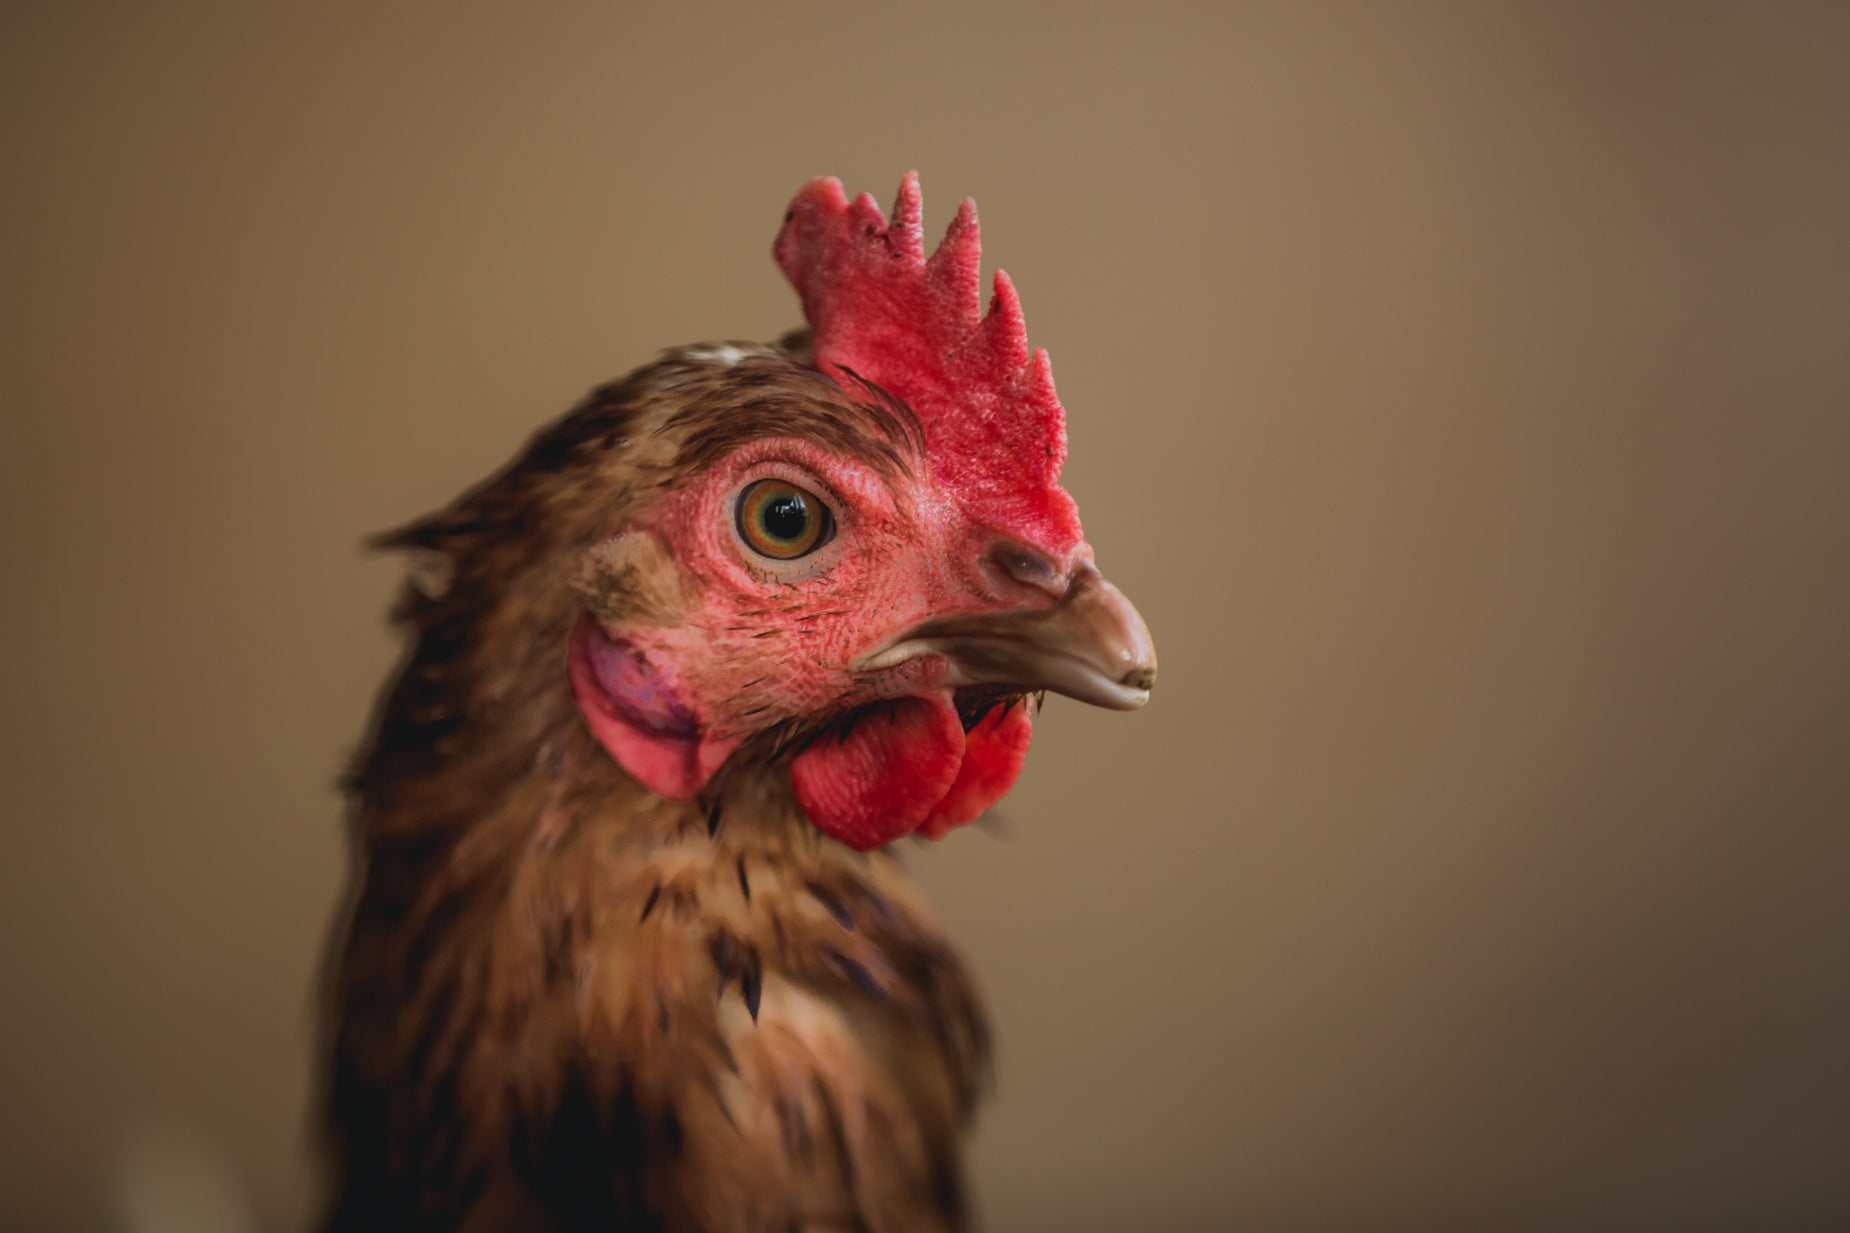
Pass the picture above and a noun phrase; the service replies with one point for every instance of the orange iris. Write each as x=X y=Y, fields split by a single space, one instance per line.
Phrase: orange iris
x=779 y=520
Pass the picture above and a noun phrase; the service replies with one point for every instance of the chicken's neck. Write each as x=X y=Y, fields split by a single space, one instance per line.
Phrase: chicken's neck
x=534 y=932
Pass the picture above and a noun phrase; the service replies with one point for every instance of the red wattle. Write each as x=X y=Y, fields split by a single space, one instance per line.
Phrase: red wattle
x=993 y=753
x=882 y=780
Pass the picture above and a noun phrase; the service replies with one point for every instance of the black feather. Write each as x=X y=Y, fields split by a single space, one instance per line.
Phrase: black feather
x=751 y=984
x=725 y=960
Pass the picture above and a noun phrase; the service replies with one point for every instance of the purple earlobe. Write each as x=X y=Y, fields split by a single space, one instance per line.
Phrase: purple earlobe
x=634 y=689
x=632 y=712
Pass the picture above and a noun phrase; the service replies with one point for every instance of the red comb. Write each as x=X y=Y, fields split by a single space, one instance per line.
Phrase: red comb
x=878 y=307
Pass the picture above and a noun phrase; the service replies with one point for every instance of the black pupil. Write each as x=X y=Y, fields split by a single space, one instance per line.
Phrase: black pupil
x=785 y=516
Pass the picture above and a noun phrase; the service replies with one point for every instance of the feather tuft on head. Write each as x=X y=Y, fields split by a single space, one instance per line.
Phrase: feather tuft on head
x=882 y=311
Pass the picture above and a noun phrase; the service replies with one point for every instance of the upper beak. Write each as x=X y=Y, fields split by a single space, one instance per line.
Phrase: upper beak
x=1091 y=645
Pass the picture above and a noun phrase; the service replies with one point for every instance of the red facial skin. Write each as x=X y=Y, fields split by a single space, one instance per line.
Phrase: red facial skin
x=767 y=641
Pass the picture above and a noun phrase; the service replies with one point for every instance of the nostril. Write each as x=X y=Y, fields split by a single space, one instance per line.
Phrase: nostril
x=1139 y=678
x=1029 y=566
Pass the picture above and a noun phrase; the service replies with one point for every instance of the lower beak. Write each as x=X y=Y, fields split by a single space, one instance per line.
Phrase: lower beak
x=1091 y=646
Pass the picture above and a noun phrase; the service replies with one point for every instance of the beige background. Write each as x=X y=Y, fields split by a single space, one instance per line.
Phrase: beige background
x=1463 y=394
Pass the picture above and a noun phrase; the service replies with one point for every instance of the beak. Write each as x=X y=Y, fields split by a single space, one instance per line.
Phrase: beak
x=1091 y=646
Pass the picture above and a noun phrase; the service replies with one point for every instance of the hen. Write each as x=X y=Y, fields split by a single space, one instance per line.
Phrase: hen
x=625 y=948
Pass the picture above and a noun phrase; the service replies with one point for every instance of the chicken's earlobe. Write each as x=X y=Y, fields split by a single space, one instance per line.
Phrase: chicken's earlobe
x=634 y=715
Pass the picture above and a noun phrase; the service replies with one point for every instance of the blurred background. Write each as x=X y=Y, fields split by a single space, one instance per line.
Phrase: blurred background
x=1462 y=393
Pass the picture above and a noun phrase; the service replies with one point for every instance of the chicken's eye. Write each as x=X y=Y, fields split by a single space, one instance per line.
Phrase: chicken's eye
x=779 y=520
